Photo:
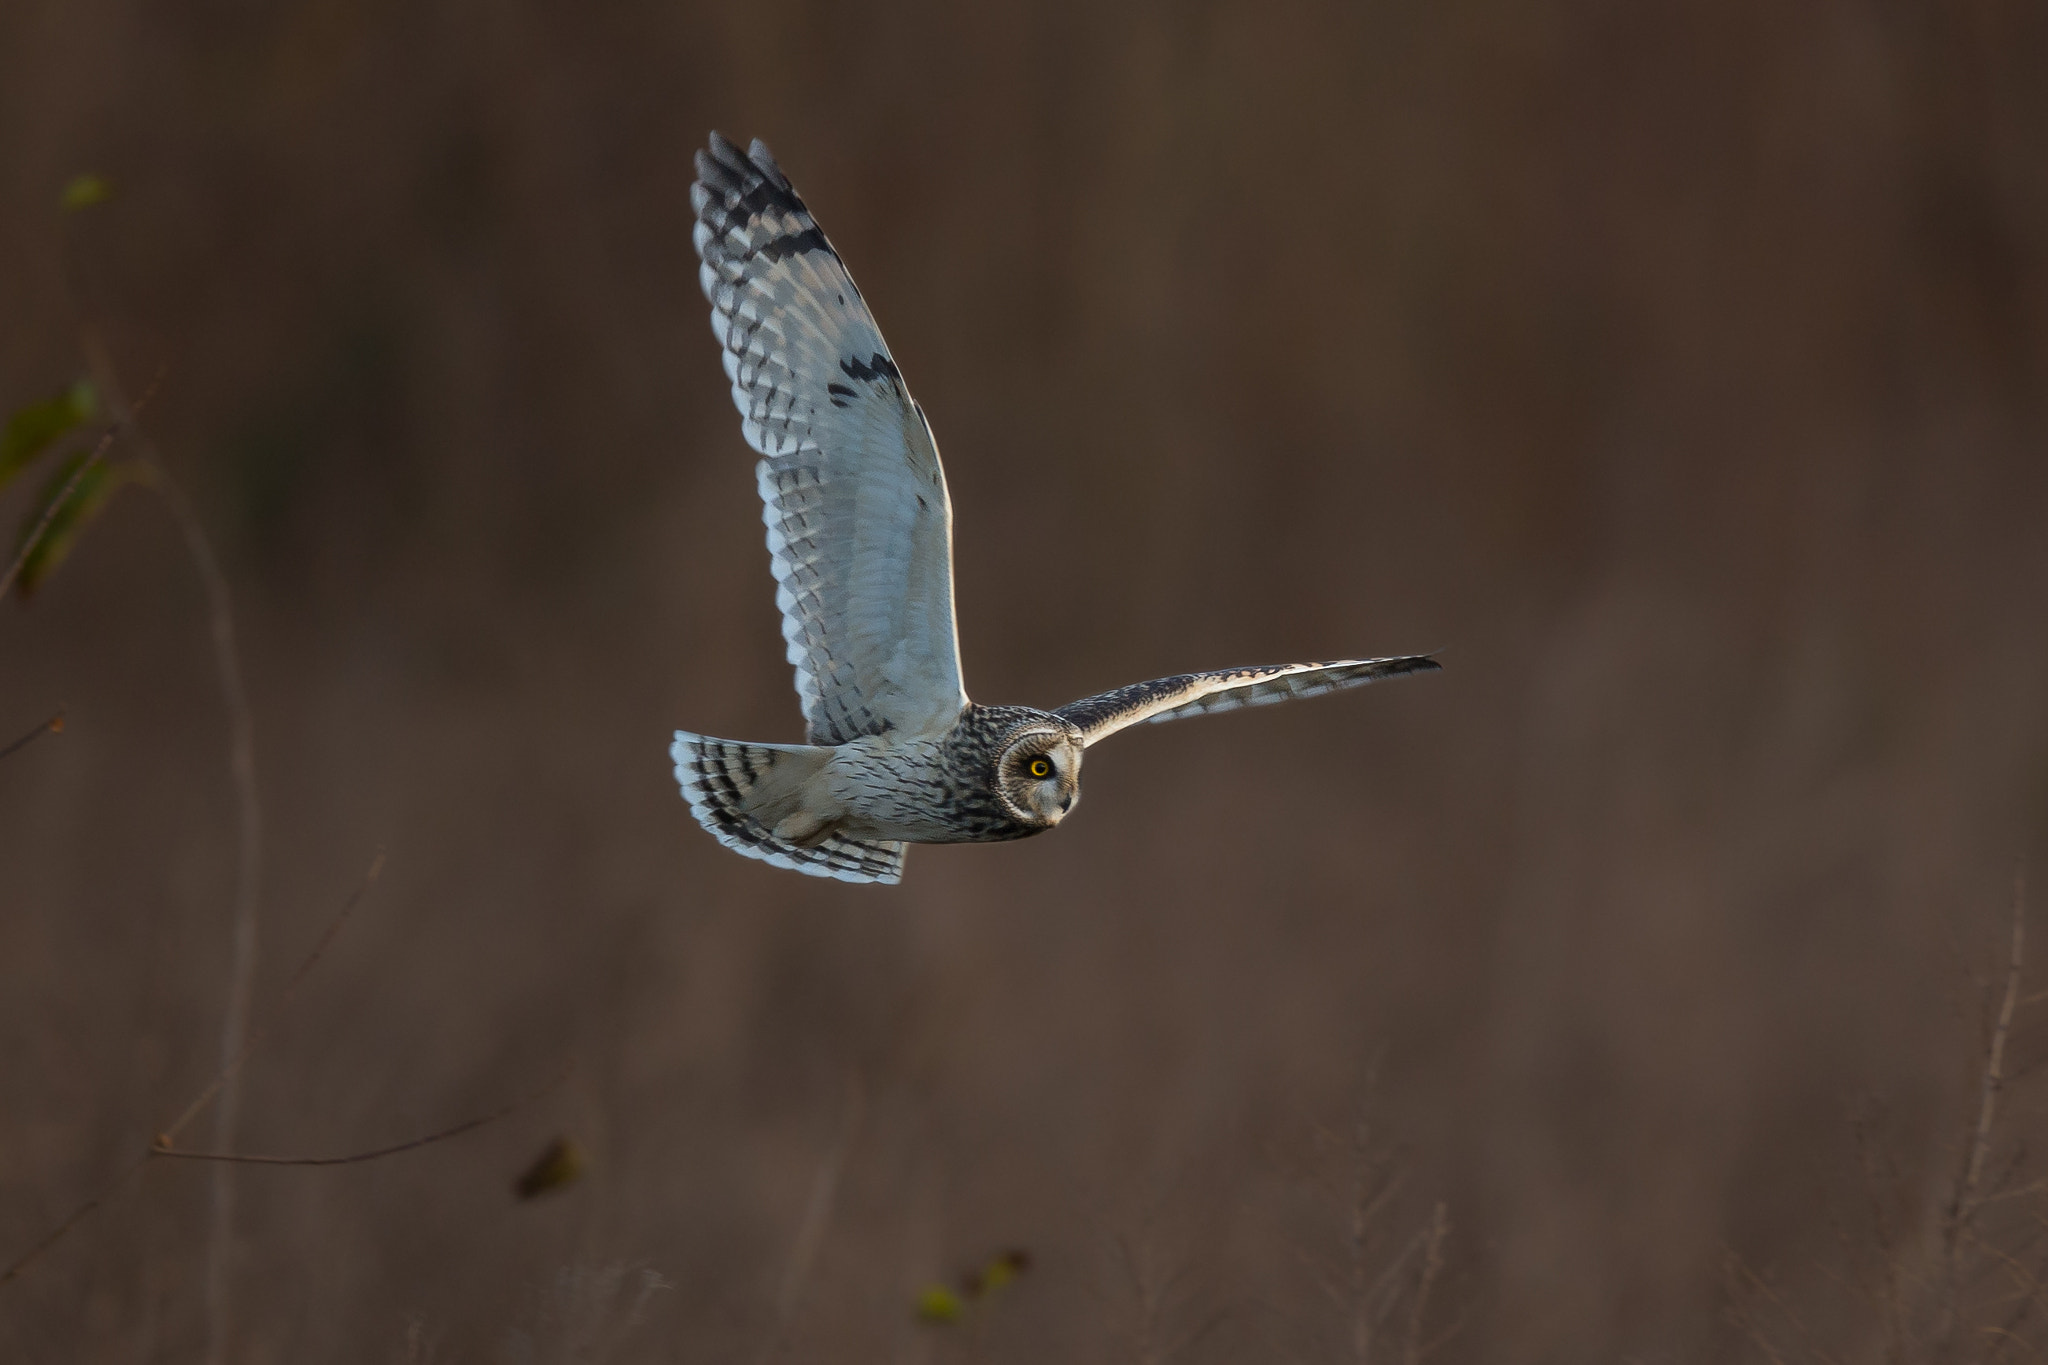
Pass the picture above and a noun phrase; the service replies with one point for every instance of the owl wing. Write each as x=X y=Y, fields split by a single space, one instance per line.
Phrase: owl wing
x=860 y=531
x=1226 y=689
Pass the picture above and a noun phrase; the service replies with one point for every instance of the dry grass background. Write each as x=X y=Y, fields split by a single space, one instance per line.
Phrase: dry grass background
x=1678 y=371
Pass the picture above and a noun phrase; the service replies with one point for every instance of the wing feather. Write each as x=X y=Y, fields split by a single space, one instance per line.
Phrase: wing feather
x=1226 y=689
x=860 y=530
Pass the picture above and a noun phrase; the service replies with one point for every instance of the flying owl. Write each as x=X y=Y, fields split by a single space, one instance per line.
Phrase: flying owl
x=860 y=538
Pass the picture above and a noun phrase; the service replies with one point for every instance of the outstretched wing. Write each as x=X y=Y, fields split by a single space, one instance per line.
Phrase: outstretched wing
x=1226 y=689
x=860 y=531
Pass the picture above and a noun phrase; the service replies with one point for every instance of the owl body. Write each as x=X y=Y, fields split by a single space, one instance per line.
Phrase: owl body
x=860 y=541
x=970 y=785
x=997 y=773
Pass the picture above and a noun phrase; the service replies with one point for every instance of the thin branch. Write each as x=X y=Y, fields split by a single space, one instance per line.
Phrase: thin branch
x=1338 y=1296
x=1432 y=1266
x=161 y=1148
x=1994 y=1064
x=1968 y=1195
x=1193 y=1336
x=1881 y=1176
x=2023 y=1280
x=53 y=726
x=2005 y=1335
x=235 y=1064
x=249 y=820
x=78 y=1215
x=1743 y=1283
x=1376 y=1301
x=1448 y=1335
x=817 y=1220
x=192 y=1110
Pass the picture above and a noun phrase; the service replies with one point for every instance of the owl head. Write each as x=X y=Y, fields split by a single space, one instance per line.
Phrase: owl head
x=1038 y=774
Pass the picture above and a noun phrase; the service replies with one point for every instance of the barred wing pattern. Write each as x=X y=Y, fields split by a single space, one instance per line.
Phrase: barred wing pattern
x=860 y=531
x=1226 y=689
x=716 y=775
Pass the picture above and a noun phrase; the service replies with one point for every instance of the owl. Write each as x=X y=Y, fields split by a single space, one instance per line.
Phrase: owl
x=860 y=538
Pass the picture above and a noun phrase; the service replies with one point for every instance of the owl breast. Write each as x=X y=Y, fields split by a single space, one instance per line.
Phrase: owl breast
x=933 y=789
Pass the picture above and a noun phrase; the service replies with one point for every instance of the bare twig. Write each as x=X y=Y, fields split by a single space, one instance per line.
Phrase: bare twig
x=234 y=1065
x=1965 y=1202
x=2005 y=1338
x=2026 y=1191
x=192 y=1110
x=1380 y=1285
x=1377 y=1300
x=1157 y=1299
x=162 y=1147
x=1338 y=1296
x=1880 y=1178
x=53 y=726
x=77 y=1216
x=1967 y=1197
x=817 y=1220
x=1745 y=1285
x=249 y=821
x=1195 y=1334
x=2026 y=1284
x=1957 y=1284
x=1432 y=1266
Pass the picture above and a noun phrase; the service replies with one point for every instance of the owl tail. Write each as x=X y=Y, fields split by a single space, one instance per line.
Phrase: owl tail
x=743 y=792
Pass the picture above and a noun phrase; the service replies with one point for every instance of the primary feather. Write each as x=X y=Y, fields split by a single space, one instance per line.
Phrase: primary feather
x=1226 y=689
x=860 y=530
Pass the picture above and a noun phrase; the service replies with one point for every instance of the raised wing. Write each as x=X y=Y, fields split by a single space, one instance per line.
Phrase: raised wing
x=1226 y=689
x=860 y=531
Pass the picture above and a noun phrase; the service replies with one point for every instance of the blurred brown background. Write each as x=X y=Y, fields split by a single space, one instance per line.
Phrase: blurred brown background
x=1677 y=371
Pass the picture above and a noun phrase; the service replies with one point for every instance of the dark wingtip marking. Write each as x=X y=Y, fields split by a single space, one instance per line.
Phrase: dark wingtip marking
x=839 y=393
x=876 y=366
x=746 y=185
x=782 y=248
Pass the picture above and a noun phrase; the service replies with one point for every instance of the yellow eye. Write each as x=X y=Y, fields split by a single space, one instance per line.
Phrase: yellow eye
x=1040 y=768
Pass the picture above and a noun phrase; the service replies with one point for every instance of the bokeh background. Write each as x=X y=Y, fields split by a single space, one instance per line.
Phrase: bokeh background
x=1678 y=372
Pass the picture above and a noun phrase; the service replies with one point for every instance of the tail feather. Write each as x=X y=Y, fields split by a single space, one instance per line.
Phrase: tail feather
x=719 y=775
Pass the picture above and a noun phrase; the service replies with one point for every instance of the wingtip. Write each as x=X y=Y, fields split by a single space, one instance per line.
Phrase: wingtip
x=1396 y=665
x=1409 y=664
x=764 y=161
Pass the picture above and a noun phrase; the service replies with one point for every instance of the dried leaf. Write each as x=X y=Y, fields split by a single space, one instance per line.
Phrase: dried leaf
x=31 y=430
x=559 y=1166
x=1000 y=1272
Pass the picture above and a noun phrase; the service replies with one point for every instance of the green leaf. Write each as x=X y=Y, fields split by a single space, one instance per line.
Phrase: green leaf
x=97 y=484
x=938 y=1304
x=84 y=191
x=32 y=429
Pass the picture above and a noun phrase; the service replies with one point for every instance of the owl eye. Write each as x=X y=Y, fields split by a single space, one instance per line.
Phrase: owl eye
x=1040 y=768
